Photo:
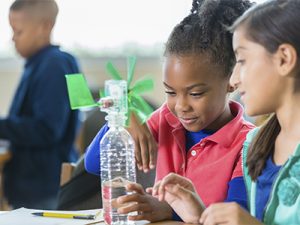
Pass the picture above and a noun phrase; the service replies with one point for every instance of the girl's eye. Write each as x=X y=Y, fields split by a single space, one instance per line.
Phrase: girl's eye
x=172 y=93
x=240 y=61
x=196 y=94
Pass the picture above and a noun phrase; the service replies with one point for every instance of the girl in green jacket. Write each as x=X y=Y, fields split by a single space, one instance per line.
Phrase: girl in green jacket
x=266 y=42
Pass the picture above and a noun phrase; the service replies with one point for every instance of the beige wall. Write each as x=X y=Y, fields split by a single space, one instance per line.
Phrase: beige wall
x=94 y=70
x=9 y=76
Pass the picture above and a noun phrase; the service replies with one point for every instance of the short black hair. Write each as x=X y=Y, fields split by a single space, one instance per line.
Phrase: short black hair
x=205 y=31
x=47 y=9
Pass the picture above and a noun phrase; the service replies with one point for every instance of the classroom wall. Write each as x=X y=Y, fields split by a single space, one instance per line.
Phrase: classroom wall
x=93 y=69
x=10 y=70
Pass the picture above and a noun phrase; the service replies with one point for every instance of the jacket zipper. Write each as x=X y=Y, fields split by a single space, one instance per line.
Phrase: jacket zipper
x=268 y=205
x=245 y=180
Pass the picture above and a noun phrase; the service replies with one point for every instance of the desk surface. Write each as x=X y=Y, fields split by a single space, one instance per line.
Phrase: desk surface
x=137 y=222
x=168 y=223
x=6 y=155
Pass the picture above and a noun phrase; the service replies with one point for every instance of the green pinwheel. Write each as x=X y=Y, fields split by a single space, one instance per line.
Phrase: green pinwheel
x=81 y=97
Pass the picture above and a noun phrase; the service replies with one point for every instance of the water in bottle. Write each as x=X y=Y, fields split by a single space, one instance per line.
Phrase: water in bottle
x=116 y=155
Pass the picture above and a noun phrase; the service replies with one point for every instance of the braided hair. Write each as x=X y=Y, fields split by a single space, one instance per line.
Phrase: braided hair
x=204 y=31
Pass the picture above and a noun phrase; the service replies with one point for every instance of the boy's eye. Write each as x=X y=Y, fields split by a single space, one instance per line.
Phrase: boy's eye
x=17 y=33
x=172 y=93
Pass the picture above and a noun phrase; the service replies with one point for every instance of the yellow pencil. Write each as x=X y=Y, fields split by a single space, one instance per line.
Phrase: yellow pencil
x=65 y=215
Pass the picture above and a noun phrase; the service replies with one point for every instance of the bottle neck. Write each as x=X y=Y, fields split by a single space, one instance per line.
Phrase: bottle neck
x=116 y=120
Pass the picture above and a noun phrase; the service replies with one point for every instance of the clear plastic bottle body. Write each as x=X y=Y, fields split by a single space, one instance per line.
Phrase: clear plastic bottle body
x=117 y=162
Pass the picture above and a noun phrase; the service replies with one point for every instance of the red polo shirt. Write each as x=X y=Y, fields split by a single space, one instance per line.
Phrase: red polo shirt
x=211 y=163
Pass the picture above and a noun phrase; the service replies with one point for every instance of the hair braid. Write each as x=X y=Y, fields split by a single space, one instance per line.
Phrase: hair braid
x=204 y=31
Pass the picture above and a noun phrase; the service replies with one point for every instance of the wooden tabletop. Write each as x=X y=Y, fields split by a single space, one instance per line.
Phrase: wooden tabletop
x=168 y=223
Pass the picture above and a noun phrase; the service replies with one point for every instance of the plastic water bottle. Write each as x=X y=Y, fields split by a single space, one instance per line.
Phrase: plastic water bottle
x=117 y=154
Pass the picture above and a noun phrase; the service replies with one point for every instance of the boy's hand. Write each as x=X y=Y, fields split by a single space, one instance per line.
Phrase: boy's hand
x=148 y=207
x=180 y=194
x=145 y=144
x=227 y=214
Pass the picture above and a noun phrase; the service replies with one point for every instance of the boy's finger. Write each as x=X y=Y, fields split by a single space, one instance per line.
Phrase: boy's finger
x=152 y=154
x=138 y=157
x=145 y=155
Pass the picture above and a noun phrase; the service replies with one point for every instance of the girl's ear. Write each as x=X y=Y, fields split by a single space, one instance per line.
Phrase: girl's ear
x=287 y=59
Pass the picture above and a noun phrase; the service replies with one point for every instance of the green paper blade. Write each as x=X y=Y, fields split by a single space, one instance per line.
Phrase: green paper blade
x=142 y=85
x=130 y=69
x=113 y=71
x=101 y=93
x=140 y=104
x=140 y=115
x=79 y=93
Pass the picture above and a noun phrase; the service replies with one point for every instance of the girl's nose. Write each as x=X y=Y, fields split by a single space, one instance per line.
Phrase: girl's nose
x=182 y=104
x=235 y=77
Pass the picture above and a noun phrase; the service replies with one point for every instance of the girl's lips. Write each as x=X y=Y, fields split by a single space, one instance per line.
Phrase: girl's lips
x=187 y=120
x=242 y=94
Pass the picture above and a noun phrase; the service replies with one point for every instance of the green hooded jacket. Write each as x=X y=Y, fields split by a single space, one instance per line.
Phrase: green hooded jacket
x=283 y=206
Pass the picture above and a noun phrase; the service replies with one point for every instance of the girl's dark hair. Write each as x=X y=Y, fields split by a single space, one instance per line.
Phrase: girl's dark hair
x=262 y=146
x=269 y=24
x=204 y=31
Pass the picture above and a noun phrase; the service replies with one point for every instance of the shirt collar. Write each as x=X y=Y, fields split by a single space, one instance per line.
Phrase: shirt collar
x=227 y=134
x=38 y=54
